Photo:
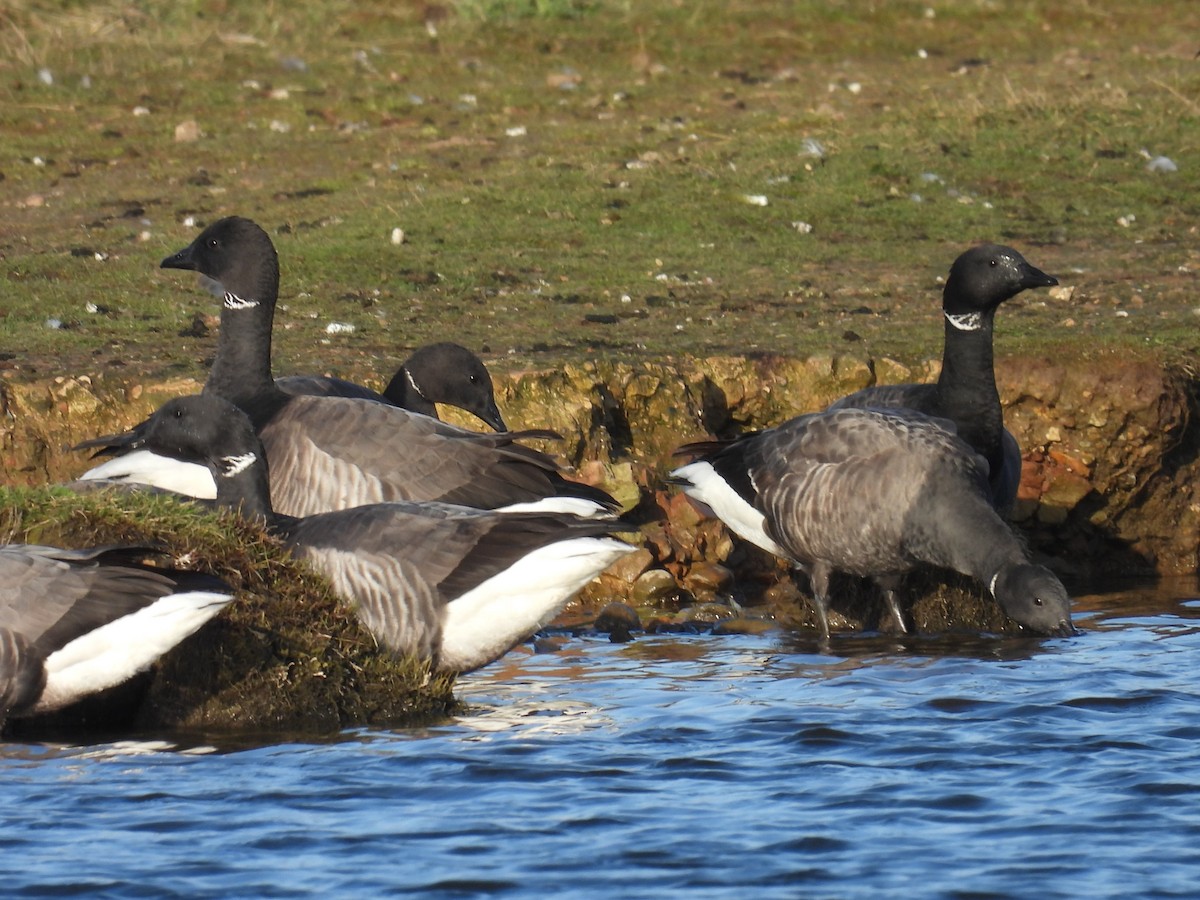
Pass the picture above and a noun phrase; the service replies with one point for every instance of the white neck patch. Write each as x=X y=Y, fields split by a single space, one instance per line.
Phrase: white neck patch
x=992 y=585
x=233 y=301
x=413 y=384
x=971 y=321
x=234 y=465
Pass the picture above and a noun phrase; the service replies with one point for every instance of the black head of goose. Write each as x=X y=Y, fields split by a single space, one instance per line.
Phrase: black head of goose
x=874 y=493
x=456 y=585
x=980 y=280
x=335 y=452
x=76 y=622
x=444 y=373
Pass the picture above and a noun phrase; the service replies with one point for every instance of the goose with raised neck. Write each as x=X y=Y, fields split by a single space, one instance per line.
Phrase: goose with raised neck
x=334 y=452
x=980 y=280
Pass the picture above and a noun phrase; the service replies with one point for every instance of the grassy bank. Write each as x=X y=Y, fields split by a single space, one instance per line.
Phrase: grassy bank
x=578 y=179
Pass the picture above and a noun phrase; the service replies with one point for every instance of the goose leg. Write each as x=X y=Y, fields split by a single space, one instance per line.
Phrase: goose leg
x=890 y=584
x=819 y=579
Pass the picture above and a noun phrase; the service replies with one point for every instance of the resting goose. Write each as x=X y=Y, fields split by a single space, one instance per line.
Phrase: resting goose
x=873 y=493
x=336 y=452
x=965 y=393
x=456 y=585
x=445 y=373
x=76 y=622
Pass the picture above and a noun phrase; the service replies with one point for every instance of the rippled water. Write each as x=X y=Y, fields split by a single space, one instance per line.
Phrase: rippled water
x=702 y=766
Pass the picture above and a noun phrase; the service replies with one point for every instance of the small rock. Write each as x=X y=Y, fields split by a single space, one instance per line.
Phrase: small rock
x=708 y=578
x=339 y=328
x=45 y=76
x=397 y=236
x=549 y=643
x=187 y=132
x=653 y=587
x=812 y=147
x=755 y=199
x=567 y=80
x=629 y=567
x=704 y=613
x=618 y=621
x=198 y=328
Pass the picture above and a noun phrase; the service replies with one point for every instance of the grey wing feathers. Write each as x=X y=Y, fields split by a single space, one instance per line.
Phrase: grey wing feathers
x=400 y=563
x=842 y=484
x=331 y=453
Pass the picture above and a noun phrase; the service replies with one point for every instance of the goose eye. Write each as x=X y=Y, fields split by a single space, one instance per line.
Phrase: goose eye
x=1037 y=601
x=214 y=244
x=472 y=378
x=993 y=262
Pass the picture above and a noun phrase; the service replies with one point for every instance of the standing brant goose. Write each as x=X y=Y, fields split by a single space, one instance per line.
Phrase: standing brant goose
x=445 y=372
x=456 y=585
x=874 y=493
x=335 y=452
x=965 y=393
x=75 y=622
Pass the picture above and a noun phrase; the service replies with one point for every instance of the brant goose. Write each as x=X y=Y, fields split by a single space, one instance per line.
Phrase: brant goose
x=336 y=452
x=456 y=585
x=965 y=393
x=875 y=493
x=436 y=373
x=75 y=622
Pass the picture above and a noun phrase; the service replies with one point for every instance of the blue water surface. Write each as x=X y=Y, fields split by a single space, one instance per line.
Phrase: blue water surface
x=696 y=766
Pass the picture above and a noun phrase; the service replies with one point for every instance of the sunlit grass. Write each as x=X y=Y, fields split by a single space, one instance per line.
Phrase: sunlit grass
x=546 y=161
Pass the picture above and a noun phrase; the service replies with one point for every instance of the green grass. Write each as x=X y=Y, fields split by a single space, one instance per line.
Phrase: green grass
x=645 y=128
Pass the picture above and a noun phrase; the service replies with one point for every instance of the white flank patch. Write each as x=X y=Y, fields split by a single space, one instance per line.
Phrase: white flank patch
x=144 y=467
x=971 y=321
x=992 y=585
x=705 y=485
x=235 y=465
x=585 y=509
x=233 y=301
x=485 y=623
x=119 y=650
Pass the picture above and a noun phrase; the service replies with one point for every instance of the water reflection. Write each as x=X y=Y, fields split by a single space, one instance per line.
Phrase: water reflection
x=681 y=766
